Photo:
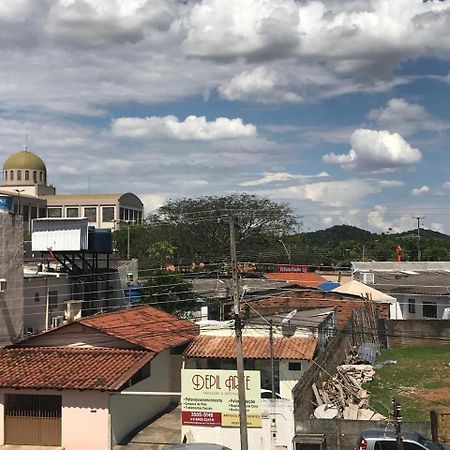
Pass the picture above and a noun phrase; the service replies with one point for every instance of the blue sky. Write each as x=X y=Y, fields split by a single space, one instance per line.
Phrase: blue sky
x=339 y=107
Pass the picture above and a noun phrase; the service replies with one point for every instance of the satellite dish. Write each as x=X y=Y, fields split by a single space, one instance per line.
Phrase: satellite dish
x=289 y=317
x=327 y=411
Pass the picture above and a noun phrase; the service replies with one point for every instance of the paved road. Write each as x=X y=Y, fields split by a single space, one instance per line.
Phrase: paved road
x=158 y=435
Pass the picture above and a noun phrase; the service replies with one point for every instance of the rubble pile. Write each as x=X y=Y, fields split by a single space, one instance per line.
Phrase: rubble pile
x=345 y=394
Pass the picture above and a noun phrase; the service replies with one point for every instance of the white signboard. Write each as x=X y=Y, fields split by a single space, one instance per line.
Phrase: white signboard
x=210 y=397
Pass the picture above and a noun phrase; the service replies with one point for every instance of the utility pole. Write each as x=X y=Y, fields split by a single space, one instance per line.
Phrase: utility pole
x=272 y=363
x=238 y=332
x=397 y=412
x=418 y=235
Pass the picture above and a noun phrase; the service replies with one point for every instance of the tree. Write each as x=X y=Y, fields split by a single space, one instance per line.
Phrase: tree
x=169 y=289
x=199 y=227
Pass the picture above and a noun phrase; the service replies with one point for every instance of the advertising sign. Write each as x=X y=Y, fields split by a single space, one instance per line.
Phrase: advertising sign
x=210 y=398
x=292 y=268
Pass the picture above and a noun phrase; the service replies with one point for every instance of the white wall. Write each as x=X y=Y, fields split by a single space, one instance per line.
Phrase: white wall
x=289 y=378
x=85 y=418
x=130 y=411
x=34 y=310
x=258 y=438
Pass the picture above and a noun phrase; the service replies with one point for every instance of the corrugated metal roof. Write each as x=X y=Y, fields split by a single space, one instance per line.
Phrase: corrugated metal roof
x=69 y=368
x=254 y=347
x=145 y=326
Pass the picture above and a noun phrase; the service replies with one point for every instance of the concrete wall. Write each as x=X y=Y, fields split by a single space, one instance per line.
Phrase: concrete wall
x=85 y=418
x=11 y=269
x=258 y=438
x=35 y=300
x=289 y=378
x=441 y=301
x=130 y=411
x=417 y=332
x=343 y=434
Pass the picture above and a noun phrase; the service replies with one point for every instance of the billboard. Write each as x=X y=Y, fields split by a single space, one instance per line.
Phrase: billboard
x=292 y=268
x=210 y=398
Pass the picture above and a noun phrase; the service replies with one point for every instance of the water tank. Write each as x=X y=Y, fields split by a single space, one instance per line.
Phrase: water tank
x=133 y=293
x=5 y=203
x=99 y=240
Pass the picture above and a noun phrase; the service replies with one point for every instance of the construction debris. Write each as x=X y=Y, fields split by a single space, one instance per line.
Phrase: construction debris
x=344 y=392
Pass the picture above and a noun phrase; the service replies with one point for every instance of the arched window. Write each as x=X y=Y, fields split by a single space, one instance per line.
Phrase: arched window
x=40 y=177
x=6 y=175
x=34 y=176
x=19 y=175
x=45 y=177
x=27 y=175
x=11 y=175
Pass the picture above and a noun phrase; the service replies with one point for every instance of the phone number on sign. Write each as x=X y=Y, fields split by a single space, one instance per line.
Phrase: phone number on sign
x=201 y=418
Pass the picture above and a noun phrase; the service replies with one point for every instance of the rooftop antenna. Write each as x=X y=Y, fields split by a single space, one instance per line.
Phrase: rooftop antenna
x=25 y=144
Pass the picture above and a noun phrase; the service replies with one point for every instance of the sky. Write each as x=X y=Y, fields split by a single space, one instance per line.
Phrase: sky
x=338 y=107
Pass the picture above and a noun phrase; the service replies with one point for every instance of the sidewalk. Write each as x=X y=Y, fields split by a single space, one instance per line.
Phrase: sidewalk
x=158 y=435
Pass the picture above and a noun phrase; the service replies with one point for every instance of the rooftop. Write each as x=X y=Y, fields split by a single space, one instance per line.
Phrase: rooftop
x=69 y=368
x=309 y=279
x=253 y=347
x=148 y=327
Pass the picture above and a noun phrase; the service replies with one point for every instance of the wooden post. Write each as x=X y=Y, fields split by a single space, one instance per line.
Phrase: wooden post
x=434 y=423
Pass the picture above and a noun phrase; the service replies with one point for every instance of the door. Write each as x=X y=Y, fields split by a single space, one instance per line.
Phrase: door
x=33 y=419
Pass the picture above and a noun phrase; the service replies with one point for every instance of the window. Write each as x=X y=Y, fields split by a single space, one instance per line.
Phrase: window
x=429 y=310
x=34 y=176
x=72 y=212
x=42 y=212
x=19 y=175
x=53 y=299
x=40 y=176
x=297 y=366
x=27 y=175
x=107 y=213
x=25 y=213
x=91 y=213
x=33 y=212
x=6 y=175
x=11 y=175
x=36 y=296
x=54 y=212
x=412 y=306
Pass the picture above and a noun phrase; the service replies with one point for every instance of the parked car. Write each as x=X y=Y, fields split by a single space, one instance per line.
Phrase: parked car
x=379 y=439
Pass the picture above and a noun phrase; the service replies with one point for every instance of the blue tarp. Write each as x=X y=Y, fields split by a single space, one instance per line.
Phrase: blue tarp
x=328 y=285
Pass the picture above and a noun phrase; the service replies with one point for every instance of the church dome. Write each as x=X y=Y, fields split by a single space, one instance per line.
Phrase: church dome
x=24 y=160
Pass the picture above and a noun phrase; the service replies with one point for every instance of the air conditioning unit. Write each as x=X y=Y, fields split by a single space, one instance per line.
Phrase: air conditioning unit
x=57 y=321
x=367 y=277
x=2 y=285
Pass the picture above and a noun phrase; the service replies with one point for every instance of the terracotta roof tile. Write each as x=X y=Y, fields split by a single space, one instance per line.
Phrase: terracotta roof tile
x=145 y=326
x=69 y=368
x=309 y=279
x=254 y=347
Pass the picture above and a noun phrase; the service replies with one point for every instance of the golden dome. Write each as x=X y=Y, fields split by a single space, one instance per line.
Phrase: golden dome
x=24 y=160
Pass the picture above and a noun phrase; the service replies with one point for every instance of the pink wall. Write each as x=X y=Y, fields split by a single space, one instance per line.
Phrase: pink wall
x=85 y=418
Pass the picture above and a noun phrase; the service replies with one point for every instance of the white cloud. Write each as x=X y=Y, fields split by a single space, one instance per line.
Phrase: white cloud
x=332 y=193
x=420 y=191
x=378 y=221
x=193 y=128
x=375 y=151
x=404 y=117
x=271 y=177
x=261 y=84
x=446 y=185
x=391 y=183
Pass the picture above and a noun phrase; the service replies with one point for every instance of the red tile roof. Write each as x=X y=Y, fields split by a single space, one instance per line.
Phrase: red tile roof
x=148 y=327
x=309 y=279
x=69 y=368
x=254 y=347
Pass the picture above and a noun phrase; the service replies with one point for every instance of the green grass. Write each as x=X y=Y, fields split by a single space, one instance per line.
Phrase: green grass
x=413 y=380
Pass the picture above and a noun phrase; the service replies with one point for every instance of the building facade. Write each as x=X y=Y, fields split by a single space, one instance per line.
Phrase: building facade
x=25 y=178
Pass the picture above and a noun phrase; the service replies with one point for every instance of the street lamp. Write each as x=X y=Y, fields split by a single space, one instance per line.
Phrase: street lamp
x=288 y=252
x=18 y=199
